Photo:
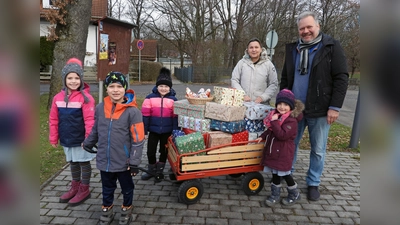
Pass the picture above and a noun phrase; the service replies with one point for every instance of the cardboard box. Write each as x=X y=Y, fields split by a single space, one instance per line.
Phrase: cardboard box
x=254 y=135
x=184 y=108
x=254 y=125
x=217 y=138
x=241 y=136
x=256 y=111
x=202 y=125
x=228 y=96
x=190 y=143
x=224 y=113
x=229 y=127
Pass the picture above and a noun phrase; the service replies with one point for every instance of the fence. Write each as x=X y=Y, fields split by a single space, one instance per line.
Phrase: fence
x=184 y=74
x=202 y=74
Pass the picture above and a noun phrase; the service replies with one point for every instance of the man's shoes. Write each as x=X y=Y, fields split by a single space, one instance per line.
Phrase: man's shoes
x=313 y=193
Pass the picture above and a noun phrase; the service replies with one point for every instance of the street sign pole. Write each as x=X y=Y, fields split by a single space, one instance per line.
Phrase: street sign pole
x=139 y=62
x=140 y=46
x=271 y=41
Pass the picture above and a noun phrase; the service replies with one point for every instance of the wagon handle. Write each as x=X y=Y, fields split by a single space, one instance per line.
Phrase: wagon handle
x=158 y=177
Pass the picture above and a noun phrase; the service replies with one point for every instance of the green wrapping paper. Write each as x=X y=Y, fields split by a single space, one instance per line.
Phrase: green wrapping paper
x=190 y=143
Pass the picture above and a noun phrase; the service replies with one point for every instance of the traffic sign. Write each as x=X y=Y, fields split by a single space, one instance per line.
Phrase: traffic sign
x=272 y=39
x=270 y=51
x=140 y=44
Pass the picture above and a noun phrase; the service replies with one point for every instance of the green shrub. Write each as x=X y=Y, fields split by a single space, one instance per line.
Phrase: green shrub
x=46 y=51
x=149 y=70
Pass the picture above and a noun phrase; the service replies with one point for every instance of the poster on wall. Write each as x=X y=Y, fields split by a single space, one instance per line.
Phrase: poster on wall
x=103 y=53
x=112 y=53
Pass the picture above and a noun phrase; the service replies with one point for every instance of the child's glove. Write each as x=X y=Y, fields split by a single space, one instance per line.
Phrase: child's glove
x=90 y=148
x=134 y=170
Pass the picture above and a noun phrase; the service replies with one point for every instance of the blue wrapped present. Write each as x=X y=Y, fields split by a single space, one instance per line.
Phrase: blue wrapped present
x=177 y=133
x=254 y=125
x=229 y=127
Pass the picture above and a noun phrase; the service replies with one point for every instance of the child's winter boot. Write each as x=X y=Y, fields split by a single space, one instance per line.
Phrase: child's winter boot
x=107 y=215
x=126 y=215
x=160 y=167
x=293 y=195
x=275 y=195
x=71 y=193
x=81 y=196
x=152 y=169
x=159 y=171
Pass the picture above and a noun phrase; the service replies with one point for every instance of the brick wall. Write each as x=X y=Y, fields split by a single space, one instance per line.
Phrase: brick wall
x=99 y=8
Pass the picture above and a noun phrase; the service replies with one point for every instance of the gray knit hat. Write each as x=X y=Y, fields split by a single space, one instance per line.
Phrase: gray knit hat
x=73 y=65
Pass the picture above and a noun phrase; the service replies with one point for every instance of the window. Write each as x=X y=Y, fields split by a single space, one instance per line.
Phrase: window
x=47 y=3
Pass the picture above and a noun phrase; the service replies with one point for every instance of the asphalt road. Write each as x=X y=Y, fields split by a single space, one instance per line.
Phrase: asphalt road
x=346 y=116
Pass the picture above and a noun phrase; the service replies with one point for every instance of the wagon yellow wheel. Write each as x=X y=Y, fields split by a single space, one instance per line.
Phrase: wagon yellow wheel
x=190 y=191
x=252 y=183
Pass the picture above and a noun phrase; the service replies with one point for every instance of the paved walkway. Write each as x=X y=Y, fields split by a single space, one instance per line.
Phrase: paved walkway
x=223 y=201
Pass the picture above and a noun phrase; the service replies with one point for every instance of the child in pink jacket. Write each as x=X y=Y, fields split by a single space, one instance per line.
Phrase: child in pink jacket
x=71 y=120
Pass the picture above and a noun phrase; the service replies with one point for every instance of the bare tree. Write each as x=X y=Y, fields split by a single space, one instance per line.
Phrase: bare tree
x=116 y=9
x=245 y=14
x=139 y=12
x=215 y=32
x=186 y=24
x=351 y=43
x=71 y=21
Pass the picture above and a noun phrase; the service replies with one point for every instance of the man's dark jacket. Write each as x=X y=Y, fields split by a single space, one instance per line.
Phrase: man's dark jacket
x=328 y=76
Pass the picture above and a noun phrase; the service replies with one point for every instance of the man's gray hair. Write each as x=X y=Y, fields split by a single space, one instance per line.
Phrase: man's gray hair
x=306 y=14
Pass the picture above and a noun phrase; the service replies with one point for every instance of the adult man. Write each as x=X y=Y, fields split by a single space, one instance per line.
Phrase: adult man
x=315 y=70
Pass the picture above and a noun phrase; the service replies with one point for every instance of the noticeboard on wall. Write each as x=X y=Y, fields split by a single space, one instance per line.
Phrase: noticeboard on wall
x=103 y=53
x=112 y=53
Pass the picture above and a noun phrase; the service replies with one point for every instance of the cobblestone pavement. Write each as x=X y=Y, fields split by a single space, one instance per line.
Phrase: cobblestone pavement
x=223 y=201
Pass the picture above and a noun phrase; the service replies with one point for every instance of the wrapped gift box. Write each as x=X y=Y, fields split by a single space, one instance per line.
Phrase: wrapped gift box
x=184 y=108
x=241 y=136
x=190 y=142
x=256 y=111
x=229 y=127
x=177 y=133
x=224 y=112
x=205 y=135
x=217 y=138
x=228 y=96
x=254 y=125
x=183 y=121
x=202 y=125
x=254 y=135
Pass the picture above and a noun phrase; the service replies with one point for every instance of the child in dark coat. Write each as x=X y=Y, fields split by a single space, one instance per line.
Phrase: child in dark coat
x=279 y=145
x=159 y=121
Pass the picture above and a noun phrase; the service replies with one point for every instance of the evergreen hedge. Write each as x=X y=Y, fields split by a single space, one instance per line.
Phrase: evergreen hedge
x=46 y=52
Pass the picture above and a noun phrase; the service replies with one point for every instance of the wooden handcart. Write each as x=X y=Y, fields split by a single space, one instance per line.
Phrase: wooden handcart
x=235 y=159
